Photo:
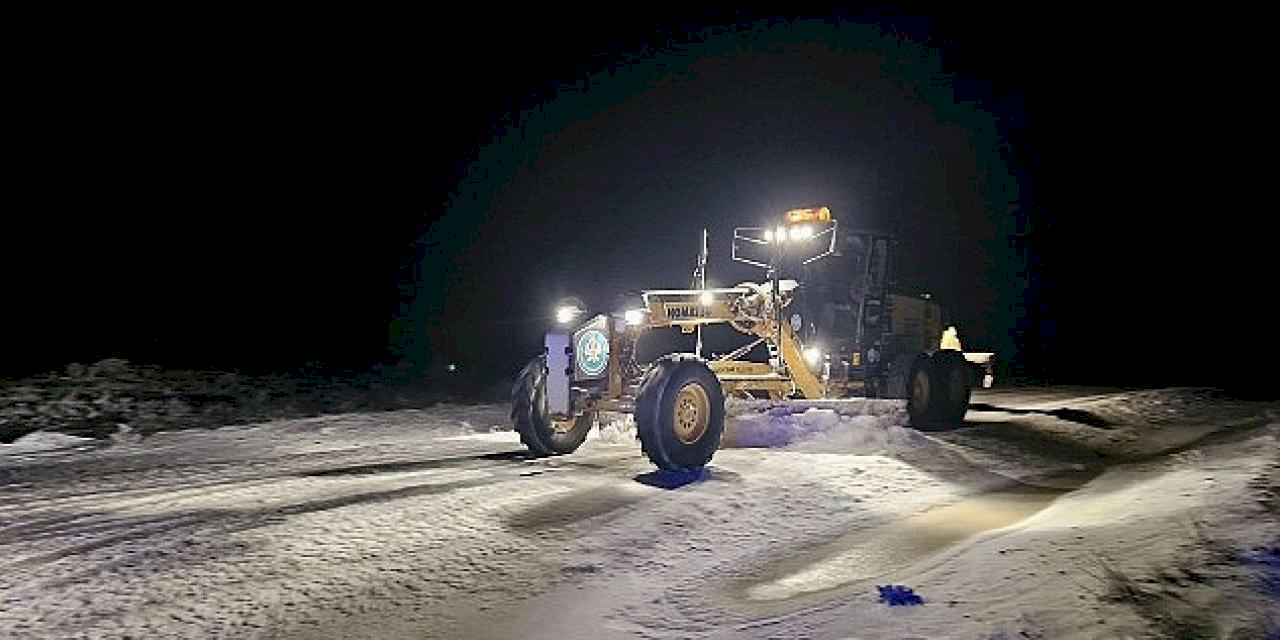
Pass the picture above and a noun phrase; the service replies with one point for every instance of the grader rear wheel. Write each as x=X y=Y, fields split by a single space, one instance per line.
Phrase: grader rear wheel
x=922 y=393
x=953 y=373
x=938 y=390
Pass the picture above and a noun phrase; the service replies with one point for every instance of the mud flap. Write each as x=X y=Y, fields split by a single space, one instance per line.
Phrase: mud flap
x=559 y=368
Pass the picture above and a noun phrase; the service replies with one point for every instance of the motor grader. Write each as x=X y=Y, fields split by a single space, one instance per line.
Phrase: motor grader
x=839 y=332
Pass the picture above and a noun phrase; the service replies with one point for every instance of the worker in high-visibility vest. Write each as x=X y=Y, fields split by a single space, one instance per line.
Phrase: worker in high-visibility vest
x=951 y=339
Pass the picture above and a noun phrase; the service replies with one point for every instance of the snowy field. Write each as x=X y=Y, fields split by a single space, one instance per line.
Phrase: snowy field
x=1054 y=513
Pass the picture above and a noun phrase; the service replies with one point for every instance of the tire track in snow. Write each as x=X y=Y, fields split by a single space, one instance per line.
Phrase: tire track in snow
x=496 y=467
x=180 y=488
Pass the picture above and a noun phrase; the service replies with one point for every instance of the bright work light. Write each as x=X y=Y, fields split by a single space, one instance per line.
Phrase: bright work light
x=565 y=315
x=812 y=355
x=802 y=232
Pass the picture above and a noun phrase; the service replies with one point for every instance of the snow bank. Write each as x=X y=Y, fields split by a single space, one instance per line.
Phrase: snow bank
x=835 y=426
x=42 y=441
x=821 y=426
x=92 y=399
x=856 y=426
x=615 y=428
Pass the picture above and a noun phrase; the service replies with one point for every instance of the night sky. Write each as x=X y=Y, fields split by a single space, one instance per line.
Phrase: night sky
x=258 y=197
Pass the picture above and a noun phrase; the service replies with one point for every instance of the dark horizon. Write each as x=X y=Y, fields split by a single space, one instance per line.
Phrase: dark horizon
x=265 y=208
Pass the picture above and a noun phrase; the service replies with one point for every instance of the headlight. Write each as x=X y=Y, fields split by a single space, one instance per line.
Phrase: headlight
x=565 y=315
x=707 y=299
x=634 y=317
x=813 y=356
x=802 y=232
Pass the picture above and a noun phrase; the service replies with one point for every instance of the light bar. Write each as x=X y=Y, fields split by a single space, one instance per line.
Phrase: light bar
x=814 y=214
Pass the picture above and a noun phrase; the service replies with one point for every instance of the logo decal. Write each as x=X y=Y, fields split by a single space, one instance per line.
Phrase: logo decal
x=684 y=310
x=593 y=352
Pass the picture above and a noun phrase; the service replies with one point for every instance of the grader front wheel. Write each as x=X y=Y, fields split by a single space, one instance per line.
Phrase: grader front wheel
x=693 y=413
x=680 y=414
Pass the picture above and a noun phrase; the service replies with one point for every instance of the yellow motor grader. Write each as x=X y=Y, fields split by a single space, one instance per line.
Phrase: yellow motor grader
x=842 y=334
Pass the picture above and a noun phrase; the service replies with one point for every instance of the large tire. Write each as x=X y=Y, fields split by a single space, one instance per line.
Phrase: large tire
x=922 y=393
x=679 y=413
x=898 y=377
x=543 y=435
x=956 y=382
x=938 y=390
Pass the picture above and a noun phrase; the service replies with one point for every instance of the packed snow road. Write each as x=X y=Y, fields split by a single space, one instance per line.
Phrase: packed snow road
x=434 y=524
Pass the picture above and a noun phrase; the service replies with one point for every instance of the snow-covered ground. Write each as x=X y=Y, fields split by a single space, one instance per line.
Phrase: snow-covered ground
x=1051 y=514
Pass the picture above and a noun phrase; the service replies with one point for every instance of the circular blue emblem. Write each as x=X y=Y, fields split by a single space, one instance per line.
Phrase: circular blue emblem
x=593 y=352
